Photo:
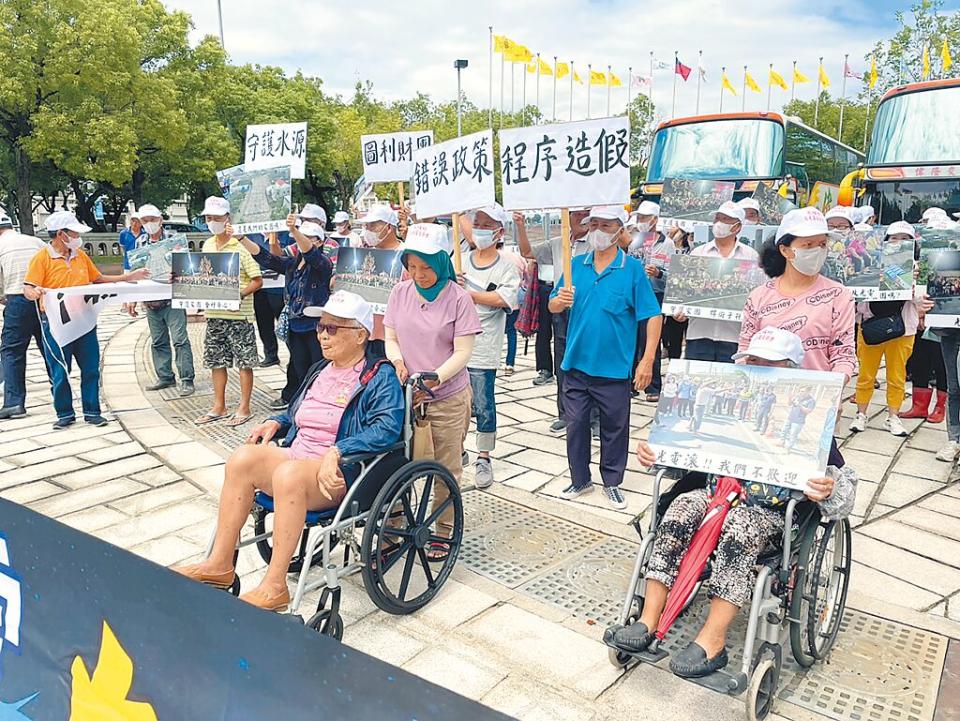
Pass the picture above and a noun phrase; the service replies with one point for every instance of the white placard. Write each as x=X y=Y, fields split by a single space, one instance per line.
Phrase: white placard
x=566 y=165
x=277 y=144
x=454 y=176
x=388 y=157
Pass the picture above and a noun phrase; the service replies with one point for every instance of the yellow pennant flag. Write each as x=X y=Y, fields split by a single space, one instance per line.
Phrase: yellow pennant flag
x=726 y=84
x=872 y=76
x=824 y=79
x=563 y=70
x=501 y=43
x=615 y=81
x=799 y=77
x=777 y=79
x=597 y=78
x=545 y=68
x=946 y=60
x=751 y=83
x=576 y=76
x=518 y=54
x=926 y=63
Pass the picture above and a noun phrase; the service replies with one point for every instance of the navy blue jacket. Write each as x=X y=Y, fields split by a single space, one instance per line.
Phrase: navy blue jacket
x=306 y=286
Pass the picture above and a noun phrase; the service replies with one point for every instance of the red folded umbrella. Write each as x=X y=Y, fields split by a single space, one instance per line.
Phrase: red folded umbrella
x=702 y=544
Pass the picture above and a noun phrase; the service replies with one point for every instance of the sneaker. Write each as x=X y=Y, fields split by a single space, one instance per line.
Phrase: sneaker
x=572 y=491
x=98 y=421
x=187 y=389
x=483 y=473
x=508 y=371
x=859 y=424
x=278 y=405
x=615 y=497
x=558 y=426
x=267 y=362
x=543 y=377
x=63 y=423
x=595 y=431
x=949 y=452
x=895 y=427
x=12 y=412
x=160 y=385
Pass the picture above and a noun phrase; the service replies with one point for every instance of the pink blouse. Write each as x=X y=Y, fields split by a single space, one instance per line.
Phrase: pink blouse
x=320 y=411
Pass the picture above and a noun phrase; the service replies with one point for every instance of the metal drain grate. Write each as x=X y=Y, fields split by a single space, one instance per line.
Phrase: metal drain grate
x=482 y=509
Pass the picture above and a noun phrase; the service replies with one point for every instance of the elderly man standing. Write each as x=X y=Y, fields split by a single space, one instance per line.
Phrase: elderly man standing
x=610 y=294
x=62 y=264
x=20 y=319
x=166 y=322
x=129 y=236
x=380 y=228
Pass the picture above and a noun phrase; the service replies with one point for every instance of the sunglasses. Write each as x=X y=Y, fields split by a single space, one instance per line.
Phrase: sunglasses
x=331 y=329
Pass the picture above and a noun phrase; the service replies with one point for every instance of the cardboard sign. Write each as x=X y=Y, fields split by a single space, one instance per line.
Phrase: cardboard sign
x=388 y=157
x=772 y=205
x=260 y=200
x=710 y=287
x=684 y=199
x=941 y=270
x=158 y=257
x=277 y=145
x=755 y=423
x=206 y=281
x=566 y=165
x=73 y=312
x=454 y=176
x=370 y=273
x=226 y=177
x=871 y=268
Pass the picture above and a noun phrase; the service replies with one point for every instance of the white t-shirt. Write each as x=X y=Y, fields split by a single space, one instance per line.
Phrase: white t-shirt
x=503 y=277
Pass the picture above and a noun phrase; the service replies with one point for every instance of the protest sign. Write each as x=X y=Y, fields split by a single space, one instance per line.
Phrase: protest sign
x=872 y=269
x=91 y=631
x=206 y=281
x=773 y=206
x=755 y=423
x=710 y=287
x=687 y=199
x=941 y=271
x=277 y=145
x=454 y=176
x=361 y=189
x=226 y=177
x=157 y=257
x=566 y=165
x=388 y=157
x=260 y=200
x=370 y=273
x=73 y=311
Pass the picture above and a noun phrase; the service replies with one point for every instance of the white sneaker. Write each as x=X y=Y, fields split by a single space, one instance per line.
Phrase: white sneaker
x=949 y=452
x=859 y=424
x=895 y=426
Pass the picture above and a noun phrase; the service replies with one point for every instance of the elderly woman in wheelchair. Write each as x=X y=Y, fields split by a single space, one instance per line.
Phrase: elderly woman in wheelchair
x=351 y=402
x=753 y=526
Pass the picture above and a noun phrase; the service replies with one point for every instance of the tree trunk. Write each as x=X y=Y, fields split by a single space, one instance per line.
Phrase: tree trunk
x=24 y=197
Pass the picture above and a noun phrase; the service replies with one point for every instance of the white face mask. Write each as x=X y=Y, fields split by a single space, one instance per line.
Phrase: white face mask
x=600 y=240
x=153 y=228
x=217 y=226
x=809 y=261
x=722 y=230
x=749 y=222
x=647 y=226
x=312 y=230
x=74 y=243
x=371 y=239
x=484 y=238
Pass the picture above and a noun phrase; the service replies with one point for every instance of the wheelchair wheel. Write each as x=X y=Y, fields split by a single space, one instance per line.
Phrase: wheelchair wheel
x=328 y=623
x=265 y=545
x=762 y=690
x=397 y=573
x=234 y=588
x=820 y=592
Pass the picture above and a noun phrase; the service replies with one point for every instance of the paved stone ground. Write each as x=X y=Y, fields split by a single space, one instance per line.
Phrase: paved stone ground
x=524 y=641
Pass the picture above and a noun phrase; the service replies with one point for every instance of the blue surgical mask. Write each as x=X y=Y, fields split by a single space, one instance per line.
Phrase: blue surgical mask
x=484 y=238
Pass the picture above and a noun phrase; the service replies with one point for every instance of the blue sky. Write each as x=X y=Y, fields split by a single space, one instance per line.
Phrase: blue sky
x=405 y=48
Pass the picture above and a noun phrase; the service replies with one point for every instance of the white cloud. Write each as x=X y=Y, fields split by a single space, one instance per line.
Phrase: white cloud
x=410 y=47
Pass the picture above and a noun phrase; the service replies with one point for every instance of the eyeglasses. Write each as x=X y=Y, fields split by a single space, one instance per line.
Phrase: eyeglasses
x=331 y=329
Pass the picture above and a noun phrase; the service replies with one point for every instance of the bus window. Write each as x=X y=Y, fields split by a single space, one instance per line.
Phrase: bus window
x=917 y=127
x=906 y=200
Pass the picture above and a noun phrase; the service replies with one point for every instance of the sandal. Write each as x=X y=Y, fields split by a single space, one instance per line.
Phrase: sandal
x=210 y=417
x=692 y=662
x=237 y=421
x=437 y=551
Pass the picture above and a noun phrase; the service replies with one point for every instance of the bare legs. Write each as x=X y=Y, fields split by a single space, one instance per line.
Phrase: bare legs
x=712 y=637
x=246 y=389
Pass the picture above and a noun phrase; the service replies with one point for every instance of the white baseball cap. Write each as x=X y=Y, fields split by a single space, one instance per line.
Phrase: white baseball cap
x=495 y=212
x=215 y=205
x=149 y=211
x=5 y=218
x=866 y=211
x=774 y=344
x=956 y=215
x=902 y=227
x=648 y=207
x=851 y=215
x=344 y=304
x=314 y=212
x=65 y=220
x=133 y=215
x=608 y=212
x=382 y=213
x=749 y=203
x=732 y=210
x=427 y=238
x=942 y=223
x=802 y=223
x=341 y=216
x=311 y=229
x=933 y=213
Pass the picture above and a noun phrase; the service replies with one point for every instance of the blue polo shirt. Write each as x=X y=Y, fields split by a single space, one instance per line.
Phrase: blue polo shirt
x=602 y=330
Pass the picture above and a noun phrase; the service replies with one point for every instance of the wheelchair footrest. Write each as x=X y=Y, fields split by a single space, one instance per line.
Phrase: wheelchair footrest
x=648 y=656
x=723 y=681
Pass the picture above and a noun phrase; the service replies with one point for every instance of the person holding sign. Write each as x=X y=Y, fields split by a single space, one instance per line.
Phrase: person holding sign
x=610 y=294
x=493 y=283
x=708 y=339
x=380 y=228
x=430 y=326
x=751 y=211
x=230 y=338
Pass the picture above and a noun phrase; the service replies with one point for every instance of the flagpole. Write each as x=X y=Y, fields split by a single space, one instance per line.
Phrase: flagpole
x=523 y=104
x=490 y=106
x=538 y=82
x=589 y=86
x=513 y=82
x=571 y=90
x=502 y=63
x=843 y=96
x=866 y=122
x=554 y=88
x=723 y=74
x=629 y=86
x=609 y=80
x=673 y=107
x=816 y=108
x=793 y=82
x=699 y=73
x=769 y=86
x=651 y=90
x=743 y=103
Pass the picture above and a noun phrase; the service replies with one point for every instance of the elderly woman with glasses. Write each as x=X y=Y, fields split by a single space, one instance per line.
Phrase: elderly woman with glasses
x=350 y=402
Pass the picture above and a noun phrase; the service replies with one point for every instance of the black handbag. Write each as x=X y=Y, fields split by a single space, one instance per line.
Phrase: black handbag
x=886 y=323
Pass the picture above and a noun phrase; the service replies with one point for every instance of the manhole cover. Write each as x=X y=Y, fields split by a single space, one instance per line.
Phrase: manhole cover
x=482 y=509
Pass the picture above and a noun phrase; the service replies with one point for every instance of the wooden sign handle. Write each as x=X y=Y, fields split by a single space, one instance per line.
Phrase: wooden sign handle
x=400 y=192
x=457 y=261
x=565 y=235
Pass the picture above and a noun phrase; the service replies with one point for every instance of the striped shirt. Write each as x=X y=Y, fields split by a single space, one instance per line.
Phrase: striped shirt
x=16 y=251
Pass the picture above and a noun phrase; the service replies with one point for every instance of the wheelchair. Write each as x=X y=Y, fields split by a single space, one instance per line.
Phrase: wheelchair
x=798 y=598
x=394 y=501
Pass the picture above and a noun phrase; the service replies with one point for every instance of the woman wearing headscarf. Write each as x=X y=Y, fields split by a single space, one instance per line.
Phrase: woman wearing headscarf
x=430 y=324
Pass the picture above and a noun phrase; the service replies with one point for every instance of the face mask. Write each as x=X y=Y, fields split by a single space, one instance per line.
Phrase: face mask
x=152 y=228
x=600 y=240
x=217 y=226
x=371 y=239
x=484 y=238
x=722 y=230
x=844 y=233
x=809 y=261
x=74 y=243
x=646 y=227
x=749 y=222
x=313 y=230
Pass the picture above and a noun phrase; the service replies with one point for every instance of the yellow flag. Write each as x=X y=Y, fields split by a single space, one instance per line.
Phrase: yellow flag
x=545 y=68
x=597 y=78
x=518 y=54
x=576 y=76
x=872 y=77
x=563 y=70
x=799 y=77
x=726 y=84
x=500 y=43
x=614 y=81
x=777 y=79
x=945 y=57
x=751 y=83
x=824 y=80
x=926 y=63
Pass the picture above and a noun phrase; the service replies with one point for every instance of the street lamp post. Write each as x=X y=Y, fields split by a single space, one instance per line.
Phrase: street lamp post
x=458 y=66
x=220 y=19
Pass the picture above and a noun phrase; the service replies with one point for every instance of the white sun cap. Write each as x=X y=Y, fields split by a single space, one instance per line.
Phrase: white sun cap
x=732 y=210
x=774 y=344
x=902 y=227
x=866 y=211
x=851 y=215
x=313 y=212
x=648 y=207
x=5 y=218
x=346 y=305
x=495 y=212
x=427 y=238
x=382 y=213
x=933 y=213
x=149 y=211
x=802 y=223
x=215 y=205
x=65 y=220
x=608 y=212
x=749 y=203
x=341 y=216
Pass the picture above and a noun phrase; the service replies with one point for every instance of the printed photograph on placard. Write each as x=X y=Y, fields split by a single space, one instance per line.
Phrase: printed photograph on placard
x=871 y=268
x=896 y=278
x=226 y=177
x=941 y=270
x=158 y=257
x=938 y=238
x=686 y=199
x=703 y=287
x=370 y=273
x=206 y=280
x=260 y=200
x=772 y=205
x=755 y=423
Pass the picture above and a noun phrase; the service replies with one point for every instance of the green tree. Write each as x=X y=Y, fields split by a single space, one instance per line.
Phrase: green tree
x=828 y=119
x=900 y=59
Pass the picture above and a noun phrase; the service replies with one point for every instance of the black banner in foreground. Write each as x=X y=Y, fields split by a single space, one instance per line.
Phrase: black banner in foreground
x=91 y=632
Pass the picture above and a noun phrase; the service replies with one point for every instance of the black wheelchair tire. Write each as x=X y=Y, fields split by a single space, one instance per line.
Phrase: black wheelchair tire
x=327 y=623
x=436 y=573
x=762 y=690
x=265 y=545
x=841 y=567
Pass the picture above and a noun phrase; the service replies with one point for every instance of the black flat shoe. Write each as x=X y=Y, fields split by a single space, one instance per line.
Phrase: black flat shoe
x=633 y=638
x=692 y=662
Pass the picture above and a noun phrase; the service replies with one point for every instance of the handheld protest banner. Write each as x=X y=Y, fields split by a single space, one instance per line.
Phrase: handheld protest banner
x=457 y=260
x=277 y=145
x=565 y=234
x=454 y=176
x=388 y=157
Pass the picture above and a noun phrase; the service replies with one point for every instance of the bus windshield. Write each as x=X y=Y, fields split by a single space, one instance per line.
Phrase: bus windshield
x=918 y=127
x=718 y=149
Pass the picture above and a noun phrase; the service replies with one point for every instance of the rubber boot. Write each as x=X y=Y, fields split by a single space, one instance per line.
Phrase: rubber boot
x=936 y=415
x=921 y=401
